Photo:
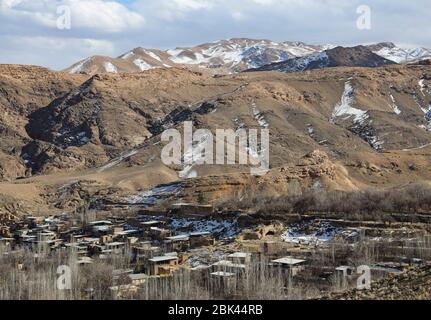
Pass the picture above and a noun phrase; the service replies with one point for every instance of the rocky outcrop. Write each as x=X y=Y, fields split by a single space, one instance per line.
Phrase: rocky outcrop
x=314 y=165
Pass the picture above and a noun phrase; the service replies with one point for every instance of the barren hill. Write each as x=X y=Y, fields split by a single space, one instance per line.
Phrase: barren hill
x=59 y=128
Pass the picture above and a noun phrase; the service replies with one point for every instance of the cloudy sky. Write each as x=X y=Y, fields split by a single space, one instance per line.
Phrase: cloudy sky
x=30 y=33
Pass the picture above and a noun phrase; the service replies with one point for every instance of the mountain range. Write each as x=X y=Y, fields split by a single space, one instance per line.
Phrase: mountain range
x=94 y=132
x=235 y=55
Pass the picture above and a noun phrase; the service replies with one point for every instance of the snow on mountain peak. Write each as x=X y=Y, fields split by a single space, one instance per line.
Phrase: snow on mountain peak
x=400 y=54
x=235 y=55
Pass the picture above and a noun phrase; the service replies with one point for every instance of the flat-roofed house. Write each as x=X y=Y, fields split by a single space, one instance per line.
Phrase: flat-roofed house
x=229 y=266
x=240 y=257
x=178 y=243
x=138 y=279
x=163 y=265
x=292 y=265
x=115 y=247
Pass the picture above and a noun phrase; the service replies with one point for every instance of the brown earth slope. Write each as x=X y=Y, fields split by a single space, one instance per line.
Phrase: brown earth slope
x=61 y=128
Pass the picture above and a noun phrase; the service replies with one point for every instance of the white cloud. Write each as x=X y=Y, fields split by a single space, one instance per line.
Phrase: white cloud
x=105 y=15
x=109 y=16
x=45 y=51
x=187 y=5
x=111 y=27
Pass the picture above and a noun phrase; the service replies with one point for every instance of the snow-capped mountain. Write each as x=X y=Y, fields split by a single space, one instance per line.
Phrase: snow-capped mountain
x=137 y=60
x=233 y=55
x=359 y=56
x=400 y=54
x=226 y=55
x=241 y=54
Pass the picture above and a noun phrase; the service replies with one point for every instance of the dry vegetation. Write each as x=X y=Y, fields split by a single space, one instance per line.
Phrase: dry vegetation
x=415 y=198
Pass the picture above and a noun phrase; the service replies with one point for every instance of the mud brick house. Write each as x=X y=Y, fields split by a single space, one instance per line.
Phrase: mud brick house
x=289 y=264
x=46 y=235
x=138 y=279
x=177 y=243
x=144 y=250
x=229 y=267
x=240 y=258
x=124 y=235
x=114 y=247
x=106 y=239
x=163 y=265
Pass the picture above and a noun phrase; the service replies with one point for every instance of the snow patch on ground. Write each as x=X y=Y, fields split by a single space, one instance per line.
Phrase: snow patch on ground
x=302 y=63
x=80 y=139
x=394 y=106
x=362 y=123
x=221 y=229
x=80 y=66
x=344 y=107
x=315 y=233
x=424 y=87
x=151 y=197
x=259 y=117
x=415 y=97
x=127 y=55
x=153 y=55
x=109 y=67
x=142 y=65
x=118 y=160
x=310 y=130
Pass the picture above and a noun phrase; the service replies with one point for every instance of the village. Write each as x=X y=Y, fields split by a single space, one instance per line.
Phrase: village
x=221 y=254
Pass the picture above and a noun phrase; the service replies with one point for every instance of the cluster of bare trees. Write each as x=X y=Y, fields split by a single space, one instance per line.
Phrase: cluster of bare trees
x=28 y=275
x=409 y=199
x=32 y=274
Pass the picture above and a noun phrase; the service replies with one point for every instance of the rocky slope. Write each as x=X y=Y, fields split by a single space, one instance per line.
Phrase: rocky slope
x=23 y=90
x=372 y=123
